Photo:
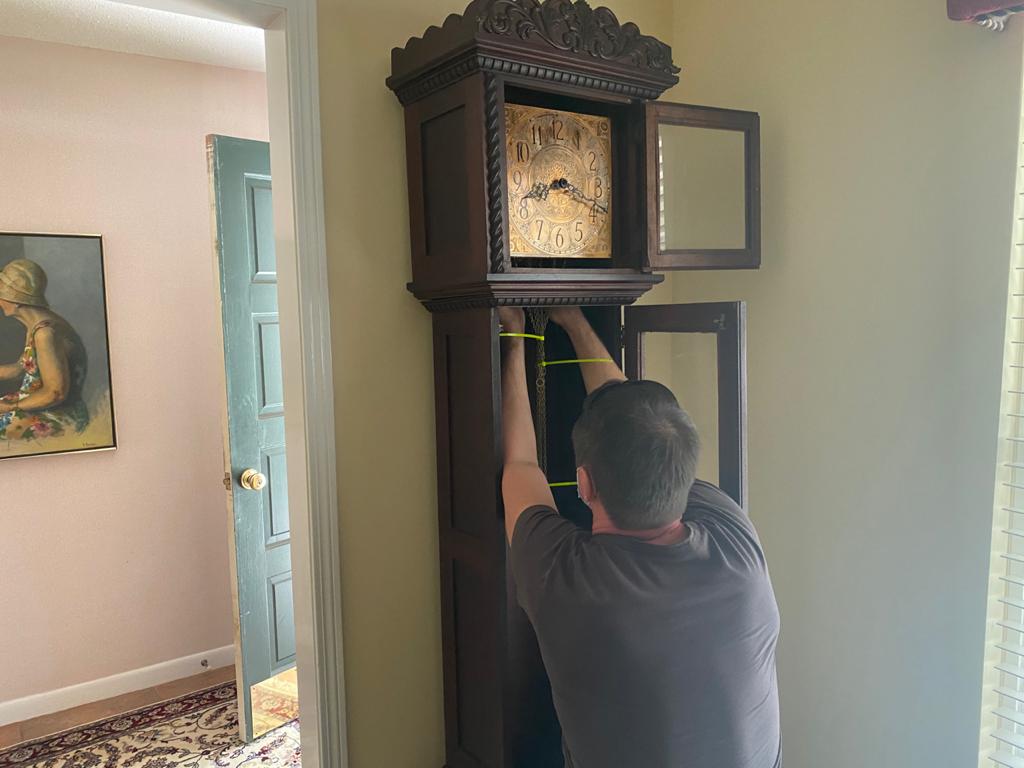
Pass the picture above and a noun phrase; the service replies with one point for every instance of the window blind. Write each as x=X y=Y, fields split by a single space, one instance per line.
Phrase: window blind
x=1002 y=717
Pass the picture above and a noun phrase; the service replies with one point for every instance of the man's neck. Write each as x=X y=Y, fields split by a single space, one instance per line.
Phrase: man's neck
x=671 y=533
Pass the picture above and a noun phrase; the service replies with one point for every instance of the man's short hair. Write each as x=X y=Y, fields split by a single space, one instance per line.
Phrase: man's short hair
x=640 y=449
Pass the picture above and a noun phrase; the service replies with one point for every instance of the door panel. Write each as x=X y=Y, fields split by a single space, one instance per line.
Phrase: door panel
x=262 y=578
x=703 y=187
x=699 y=352
x=267 y=335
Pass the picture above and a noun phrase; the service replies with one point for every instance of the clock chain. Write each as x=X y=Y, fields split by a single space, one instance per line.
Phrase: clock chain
x=539 y=321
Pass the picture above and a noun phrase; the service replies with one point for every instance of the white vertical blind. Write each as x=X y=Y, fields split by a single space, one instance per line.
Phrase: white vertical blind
x=661 y=194
x=1002 y=717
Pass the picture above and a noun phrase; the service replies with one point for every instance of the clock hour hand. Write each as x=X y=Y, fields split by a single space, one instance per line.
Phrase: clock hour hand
x=539 y=191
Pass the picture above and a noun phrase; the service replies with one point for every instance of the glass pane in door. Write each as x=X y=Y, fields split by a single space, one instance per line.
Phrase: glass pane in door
x=687 y=363
x=702 y=188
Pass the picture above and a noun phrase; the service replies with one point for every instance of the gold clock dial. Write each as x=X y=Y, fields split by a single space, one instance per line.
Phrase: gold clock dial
x=559 y=183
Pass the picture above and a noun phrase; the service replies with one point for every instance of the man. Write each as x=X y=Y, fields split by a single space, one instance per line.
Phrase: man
x=658 y=627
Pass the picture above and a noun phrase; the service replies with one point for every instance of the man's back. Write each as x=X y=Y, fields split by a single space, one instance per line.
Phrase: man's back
x=659 y=656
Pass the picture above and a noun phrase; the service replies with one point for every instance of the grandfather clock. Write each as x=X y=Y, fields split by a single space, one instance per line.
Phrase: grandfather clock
x=540 y=172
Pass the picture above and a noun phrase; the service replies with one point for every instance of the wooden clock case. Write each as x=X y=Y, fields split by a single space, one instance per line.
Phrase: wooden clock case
x=454 y=81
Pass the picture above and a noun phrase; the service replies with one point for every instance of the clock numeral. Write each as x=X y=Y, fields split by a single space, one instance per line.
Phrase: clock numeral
x=598 y=189
x=523 y=152
x=576 y=139
x=578 y=229
x=517 y=179
x=556 y=130
x=559 y=238
x=593 y=214
x=524 y=210
x=537 y=135
x=540 y=228
x=593 y=160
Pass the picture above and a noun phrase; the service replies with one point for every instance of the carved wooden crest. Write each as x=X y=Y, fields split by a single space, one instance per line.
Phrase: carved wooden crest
x=562 y=40
x=572 y=25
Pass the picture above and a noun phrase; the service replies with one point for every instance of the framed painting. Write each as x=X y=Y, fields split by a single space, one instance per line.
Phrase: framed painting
x=55 y=390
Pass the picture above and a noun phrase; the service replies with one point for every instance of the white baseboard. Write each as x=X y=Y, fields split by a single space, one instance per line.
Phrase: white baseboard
x=16 y=710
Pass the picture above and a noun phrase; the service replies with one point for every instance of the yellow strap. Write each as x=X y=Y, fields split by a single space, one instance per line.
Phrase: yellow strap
x=562 y=485
x=546 y=363
x=522 y=336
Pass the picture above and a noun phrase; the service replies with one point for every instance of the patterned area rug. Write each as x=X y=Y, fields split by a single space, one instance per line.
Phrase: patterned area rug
x=195 y=731
x=275 y=702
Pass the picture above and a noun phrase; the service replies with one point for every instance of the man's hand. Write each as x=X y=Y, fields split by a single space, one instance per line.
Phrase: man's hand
x=512 y=319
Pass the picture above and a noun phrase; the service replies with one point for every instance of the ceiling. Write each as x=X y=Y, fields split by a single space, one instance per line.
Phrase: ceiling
x=116 y=26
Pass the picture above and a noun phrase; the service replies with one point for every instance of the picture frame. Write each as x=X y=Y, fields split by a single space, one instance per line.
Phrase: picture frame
x=56 y=389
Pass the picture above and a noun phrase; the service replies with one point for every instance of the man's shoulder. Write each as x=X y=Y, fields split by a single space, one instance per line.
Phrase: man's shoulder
x=708 y=494
x=709 y=501
x=540 y=521
x=541 y=543
x=724 y=523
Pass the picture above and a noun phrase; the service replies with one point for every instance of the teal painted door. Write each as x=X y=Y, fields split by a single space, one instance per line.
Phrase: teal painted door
x=255 y=413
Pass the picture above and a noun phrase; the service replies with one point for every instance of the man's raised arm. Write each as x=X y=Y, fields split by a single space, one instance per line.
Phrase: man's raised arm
x=588 y=346
x=523 y=484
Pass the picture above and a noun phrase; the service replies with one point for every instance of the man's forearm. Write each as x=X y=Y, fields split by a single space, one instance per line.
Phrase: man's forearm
x=588 y=346
x=520 y=438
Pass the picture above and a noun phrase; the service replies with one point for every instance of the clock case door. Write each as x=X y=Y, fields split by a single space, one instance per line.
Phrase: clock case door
x=743 y=153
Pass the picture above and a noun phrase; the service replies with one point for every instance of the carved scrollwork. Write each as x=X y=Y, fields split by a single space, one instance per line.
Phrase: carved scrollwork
x=572 y=25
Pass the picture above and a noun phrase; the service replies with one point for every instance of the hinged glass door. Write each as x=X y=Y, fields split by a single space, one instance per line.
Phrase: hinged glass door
x=703 y=187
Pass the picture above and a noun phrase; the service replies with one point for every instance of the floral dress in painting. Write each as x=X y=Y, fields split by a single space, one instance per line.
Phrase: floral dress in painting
x=71 y=415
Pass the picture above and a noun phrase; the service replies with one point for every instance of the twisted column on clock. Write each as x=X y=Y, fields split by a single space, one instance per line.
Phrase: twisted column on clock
x=495 y=194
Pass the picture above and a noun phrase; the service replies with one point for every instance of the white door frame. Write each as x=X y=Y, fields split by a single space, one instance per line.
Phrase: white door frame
x=303 y=302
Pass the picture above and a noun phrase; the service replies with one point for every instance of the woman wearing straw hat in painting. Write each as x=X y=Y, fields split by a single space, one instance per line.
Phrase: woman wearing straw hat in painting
x=48 y=399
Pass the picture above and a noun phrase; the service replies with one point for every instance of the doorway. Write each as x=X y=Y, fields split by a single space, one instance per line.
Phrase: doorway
x=157 y=303
x=290 y=29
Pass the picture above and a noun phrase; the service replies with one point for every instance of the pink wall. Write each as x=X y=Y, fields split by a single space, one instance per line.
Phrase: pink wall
x=114 y=561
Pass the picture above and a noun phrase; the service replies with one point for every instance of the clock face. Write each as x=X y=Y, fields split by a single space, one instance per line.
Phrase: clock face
x=559 y=183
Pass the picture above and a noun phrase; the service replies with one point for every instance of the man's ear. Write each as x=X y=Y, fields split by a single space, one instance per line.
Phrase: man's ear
x=585 y=485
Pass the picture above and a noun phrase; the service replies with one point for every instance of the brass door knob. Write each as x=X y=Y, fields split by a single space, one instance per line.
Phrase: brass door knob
x=253 y=480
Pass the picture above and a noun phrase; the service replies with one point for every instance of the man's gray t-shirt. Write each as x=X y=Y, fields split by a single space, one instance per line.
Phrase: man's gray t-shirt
x=660 y=656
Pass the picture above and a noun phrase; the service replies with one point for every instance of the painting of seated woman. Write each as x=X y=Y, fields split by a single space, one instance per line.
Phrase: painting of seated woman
x=55 y=391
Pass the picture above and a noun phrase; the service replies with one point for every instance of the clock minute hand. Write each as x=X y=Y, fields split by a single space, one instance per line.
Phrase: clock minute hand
x=578 y=194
